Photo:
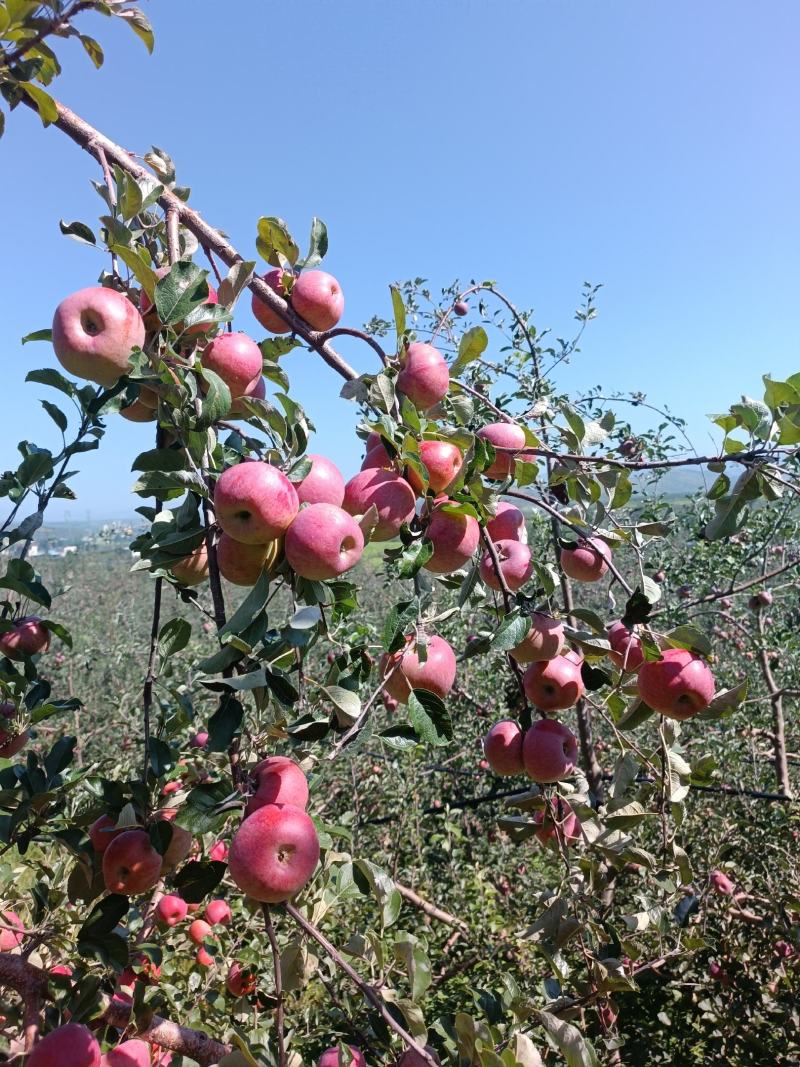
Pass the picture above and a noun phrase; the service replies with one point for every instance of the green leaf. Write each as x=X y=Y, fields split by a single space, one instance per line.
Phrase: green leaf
x=160 y=459
x=224 y=724
x=235 y=281
x=471 y=347
x=399 y=310
x=347 y=704
x=79 y=231
x=92 y=49
x=138 y=262
x=217 y=401
x=185 y=286
x=429 y=717
x=691 y=638
x=317 y=244
x=196 y=880
x=45 y=104
x=21 y=578
x=35 y=467
x=37 y=335
x=55 y=413
x=512 y=630
x=140 y=26
x=569 y=1041
x=274 y=243
x=174 y=636
x=252 y=606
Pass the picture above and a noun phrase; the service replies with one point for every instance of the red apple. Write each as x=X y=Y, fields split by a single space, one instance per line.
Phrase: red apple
x=241 y=981
x=95 y=332
x=508 y=524
x=254 y=502
x=133 y=1053
x=443 y=461
x=144 y=408
x=424 y=377
x=12 y=740
x=549 y=751
x=553 y=685
x=180 y=843
x=279 y=780
x=461 y=308
x=515 y=565
x=331 y=1058
x=218 y=852
x=377 y=456
x=454 y=536
x=102 y=832
x=12 y=930
x=63 y=969
x=235 y=358
x=204 y=957
x=565 y=829
x=587 y=561
x=508 y=440
x=626 y=648
x=218 y=913
x=317 y=297
x=323 y=542
x=198 y=931
x=411 y=1058
x=199 y=740
x=242 y=564
x=256 y=390
x=544 y=640
x=274 y=853
x=392 y=496
x=28 y=637
x=503 y=747
x=323 y=484
x=193 y=569
x=171 y=909
x=67 y=1046
x=268 y=318
x=130 y=864
x=721 y=883
x=436 y=674
x=678 y=685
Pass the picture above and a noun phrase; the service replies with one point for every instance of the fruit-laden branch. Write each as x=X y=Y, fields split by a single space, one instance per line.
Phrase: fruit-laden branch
x=92 y=141
x=31 y=984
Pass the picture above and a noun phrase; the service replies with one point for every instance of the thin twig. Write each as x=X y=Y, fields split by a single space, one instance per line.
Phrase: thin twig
x=276 y=963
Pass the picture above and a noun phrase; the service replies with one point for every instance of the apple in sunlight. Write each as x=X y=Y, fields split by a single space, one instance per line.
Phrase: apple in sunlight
x=218 y=913
x=242 y=564
x=555 y=684
x=454 y=536
x=274 y=853
x=508 y=440
x=323 y=542
x=443 y=461
x=323 y=484
x=516 y=566
x=587 y=561
x=171 y=909
x=95 y=332
x=544 y=640
x=269 y=319
x=192 y=569
x=403 y=671
x=28 y=636
x=71 y=1045
x=392 y=496
x=626 y=648
x=502 y=747
x=241 y=981
x=235 y=358
x=678 y=685
x=132 y=1053
x=256 y=390
x=317 y=297
x=198 y=931
x=507 y=524
x=331 y=1058
x=549 y=751
x=254 y=502
x=12 y=930
x=279 y=780
x=424 y=376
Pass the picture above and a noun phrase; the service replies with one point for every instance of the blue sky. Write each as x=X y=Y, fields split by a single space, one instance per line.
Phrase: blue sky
x=651 y=147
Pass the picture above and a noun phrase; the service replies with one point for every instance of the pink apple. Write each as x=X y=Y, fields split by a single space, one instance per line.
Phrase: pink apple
x=461 y=308
x=587 y=561
x=515 y=565
x=508 y=524
x=454 y=536
x=268 y=318
x=199 y=740
x=503 y=747
x=279 y=780
x=254 y=502
x=28 y=637
x=256 y=390
x=204 y=957
x=392 y=496
x=218 y=852
x=143 y=409
x=377 y=456
x=443 y=462
x=436 y=674
x=198 y=931
x=331 y=1058
x=553 y=685
x=678 y=685
x=130 y=864
x=218 y=913
x=544 y=640
x=180 y=843
x=323 y=484
x=171 y=909
x=95 y=332
x=235 y=358
x=102 y=832
x=12 y=740
x=549 y=751
x=721 y=883
x=508 y=440
x=274 y=853
x=242 y=564
x=317 y=297
x=563 y=829
x=241 y=981
x=63 y=969
x=12 y=930
x=626 y=648
x=193 y=569
x=323 y=542
x=425 y=376
x=67 y=1046
x=133 y=1053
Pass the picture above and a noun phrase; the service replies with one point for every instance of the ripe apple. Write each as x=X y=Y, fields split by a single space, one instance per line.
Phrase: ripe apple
x=508 y=524
x=626 y=648
x=721 y=883
x=242 y=564
x=761 y=599
x=133 y=1053
x=254 y=502
x=330 y=1058
x=411 y=1058
x=199 y=740
x=180 y=844
x=443 y=461
x=544 y=640
x=508 y=440
x=274 y=853
x=218 y=913
x=63 y=969
x=323 y=542
x=198 y=931
x=204 y=957
x=95 y=332
x=171 y=909
x=241 y=981
x=256 y=390
x=377 y=456
x=436 y=674
x=323 y=484
x=28 y=637
x=587 y=561
x=565 y=829
x=549 y=751
x=235 y=358
x=102 y=832
x=317 y=297
x=461 y=308
x=392 y=496
x=193 y=569
x=218 y=852
x=12 y=740
x=144 y=408
x=269 y=319
x=424 y=377
x=130 y=864
x=502 y=747
x=553 y=685
x=678 y=685
x=71 y=1045
x=515 y=562
x=454 y=536
x=279 y=780
x=12 y=930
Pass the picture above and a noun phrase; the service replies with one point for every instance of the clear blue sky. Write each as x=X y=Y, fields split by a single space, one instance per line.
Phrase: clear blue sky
x=653 y=147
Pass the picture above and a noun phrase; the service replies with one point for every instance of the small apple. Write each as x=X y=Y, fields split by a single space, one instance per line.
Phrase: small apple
x=12 y=740
x=274 y=853
x=241 y=981
x=660 y=576
x=323 y=484
x=678 y=685
x=391 y=495
x=587 y=561
x=508 y=524
x=130 y=864
x=218 y=913
x=171 y=909
x=95 y=332
x=236 y=359
x=424 y=376
x=503 y=748
x=199 y=740
x=454 y=536
x=626 y=648
x=436 y=674
x=71 y=1045
x=331 y=1058
x=242 y=564
x=564 y=829
x=549 y=751
x=323 y=542
x=254 y=502
x=461 y=308
x=12 y=930
x=508 y=440
x=133 y=1053
x=143 y=409
x=279 y=780
x=193 y=569
x=28 y=637
x=515 y=562
x=62 y=969
x=102 y=832
x=198 y=931
x=443 y=462
x=180 y=843
x=204 y=957
x=721 y=883
x=269 y=319
x=317 y=297
x=411 y=1058
x=544 y=640
x=218 y=852
x=256 y=390
x=554 y=685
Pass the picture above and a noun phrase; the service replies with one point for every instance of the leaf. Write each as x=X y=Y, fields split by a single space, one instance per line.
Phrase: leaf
x=174 y=636
x=216 y=402
x=182 y=288
x=55 y=413
x=92 y=49
x=235 y=281
x=568 y=1040
x=140 y=26
x=471 y=347
x=429 y=718
x=139 y=265
x=160 y=459
x=45 y=104
x=691 y=638
x=21 y=578
x=196 y=880
x=347 y=704
x=317 y=244
x=399 y=309
x=274 y=243
x=525 y=1052
x=38 y=335
x=252 y=605
x=79 y=231
x=224 y=724
x=513 y=629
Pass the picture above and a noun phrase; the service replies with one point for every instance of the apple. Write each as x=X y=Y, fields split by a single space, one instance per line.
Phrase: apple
x=508 y=440
x=323 y=542
x=317 y=297
x=279 y=780
x=218 y=913
x=515 y=562
x=411 y=1058
x=269 y=319
x=436 y=674
x=678 y=685
x=95 y=332
x=331 y=1058
x=424 y=376
x=71 y=1045
x=242 y=564
x=171 y=909
x=553 y=685
x=502 y=747
x=454 y=536
x=443 y=461
x=721 y=883
x=204 y=957
x=199 y=740
x=761 y=599
x=254 y=502
x=660 y=576
x=544 y=640
x=102 y=832
x=235 y=358
x=11 y=741
x=507 y=524
x=133 y=1053
x=28 y=637
x=198 y=931
x=256 y=390
x=241 y=981
x=180 y=843
x=626 y=648
x=549 y=751
x=144 y=408
x=63 y=969
x=12 y=930
x=783 y=949
x=274 y=853
x=392 y=496
x=461 y=308
x=587 y=561
x=130 y=864
x=193 y=569
x=323 y=484
x=218 y=852
x=564 y=830
x=377 y=456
